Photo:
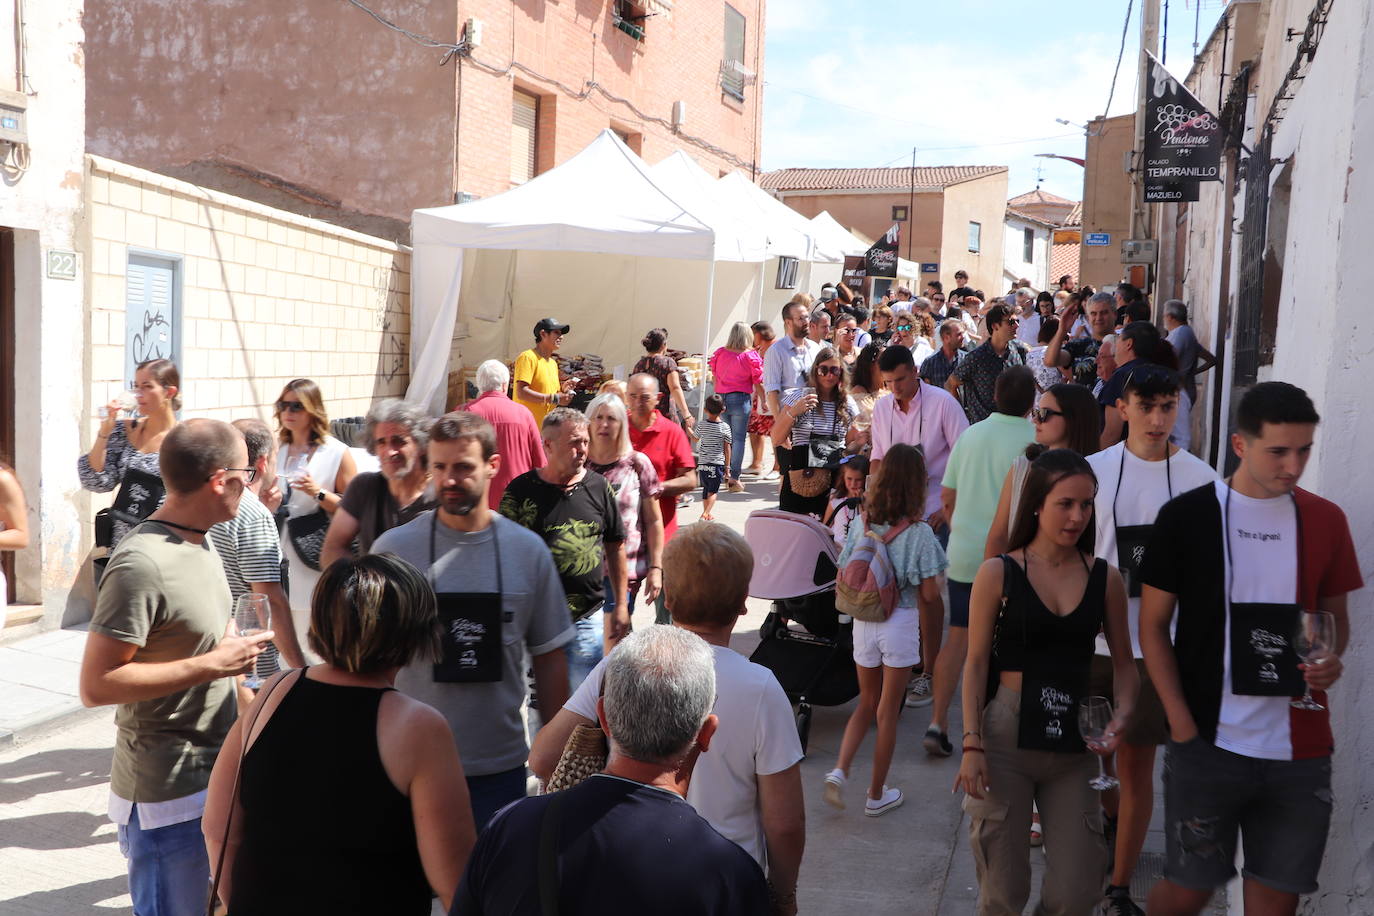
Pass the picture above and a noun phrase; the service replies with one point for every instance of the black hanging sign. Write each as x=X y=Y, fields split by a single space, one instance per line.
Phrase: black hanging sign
x=881 y=259
x=1183 y=140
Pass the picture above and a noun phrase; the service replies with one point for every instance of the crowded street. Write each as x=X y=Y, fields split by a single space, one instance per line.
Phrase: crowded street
x=512 y=458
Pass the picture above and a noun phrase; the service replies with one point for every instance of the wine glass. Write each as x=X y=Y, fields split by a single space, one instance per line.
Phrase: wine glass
x=252 y=615
x=1313 y=639
x=1094 y=715
x=296 y=467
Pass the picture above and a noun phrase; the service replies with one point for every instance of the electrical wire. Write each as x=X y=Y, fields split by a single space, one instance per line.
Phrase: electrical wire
x=1125 y=27
x=1164 y=45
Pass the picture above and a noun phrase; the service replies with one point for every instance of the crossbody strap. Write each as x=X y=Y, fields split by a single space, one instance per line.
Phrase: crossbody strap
x=548 y=855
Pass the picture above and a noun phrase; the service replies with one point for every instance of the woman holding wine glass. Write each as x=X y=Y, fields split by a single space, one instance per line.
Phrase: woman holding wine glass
x=318 y=468
x=1034 y=617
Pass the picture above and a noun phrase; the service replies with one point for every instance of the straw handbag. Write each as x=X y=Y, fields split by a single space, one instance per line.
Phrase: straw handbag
x=584 y=754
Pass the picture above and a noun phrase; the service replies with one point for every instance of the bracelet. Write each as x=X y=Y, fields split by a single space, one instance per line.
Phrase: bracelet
x=970 y=749
x=979 y=734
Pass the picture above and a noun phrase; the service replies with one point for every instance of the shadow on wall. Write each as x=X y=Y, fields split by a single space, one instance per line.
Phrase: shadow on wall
x=393 y=321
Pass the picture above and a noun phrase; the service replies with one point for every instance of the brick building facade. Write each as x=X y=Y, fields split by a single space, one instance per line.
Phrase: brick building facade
x=321 y=109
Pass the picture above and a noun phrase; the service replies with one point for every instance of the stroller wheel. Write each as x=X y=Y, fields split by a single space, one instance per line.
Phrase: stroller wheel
x=803 y=723
x=772 y=626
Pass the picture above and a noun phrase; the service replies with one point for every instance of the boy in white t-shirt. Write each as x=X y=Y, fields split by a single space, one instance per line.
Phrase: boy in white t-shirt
x=1135 y=478
x=749 y=786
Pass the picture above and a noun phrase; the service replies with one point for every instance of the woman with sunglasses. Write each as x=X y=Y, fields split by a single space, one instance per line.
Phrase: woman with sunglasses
x=129 y=448
x=845 y=335
x=318 y=468
x=1065 y=418
x=816 y=421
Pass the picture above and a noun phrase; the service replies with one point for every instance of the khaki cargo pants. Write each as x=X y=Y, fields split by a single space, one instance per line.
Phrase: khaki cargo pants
x=999 y=823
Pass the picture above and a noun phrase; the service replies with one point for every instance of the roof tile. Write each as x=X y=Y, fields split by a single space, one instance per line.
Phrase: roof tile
x=896 y=179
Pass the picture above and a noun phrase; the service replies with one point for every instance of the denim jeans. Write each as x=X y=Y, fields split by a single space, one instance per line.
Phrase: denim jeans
x=489 y=794
x=169 y=870
x=585 y=649
x=737 y=417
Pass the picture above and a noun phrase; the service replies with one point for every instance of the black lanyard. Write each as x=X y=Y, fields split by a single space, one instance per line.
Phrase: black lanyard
x=495 y=543
x=1226 y=541
x=1168 y=479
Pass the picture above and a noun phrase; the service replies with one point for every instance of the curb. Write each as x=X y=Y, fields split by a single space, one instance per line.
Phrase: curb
x=60 y=719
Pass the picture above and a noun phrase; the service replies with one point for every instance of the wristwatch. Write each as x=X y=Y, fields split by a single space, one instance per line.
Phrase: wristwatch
x=320 y=495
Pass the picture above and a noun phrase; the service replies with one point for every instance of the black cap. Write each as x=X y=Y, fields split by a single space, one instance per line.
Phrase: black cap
x=551 y=324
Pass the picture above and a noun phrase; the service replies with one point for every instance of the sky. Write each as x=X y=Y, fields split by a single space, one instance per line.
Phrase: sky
x=967 y=82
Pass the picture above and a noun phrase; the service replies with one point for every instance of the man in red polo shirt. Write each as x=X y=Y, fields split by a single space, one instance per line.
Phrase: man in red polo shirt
x=665 y=445
x=517 y=433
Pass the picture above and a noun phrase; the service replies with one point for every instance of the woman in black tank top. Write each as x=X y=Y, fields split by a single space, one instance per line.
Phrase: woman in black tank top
x=321 y=807
x=1034 y=617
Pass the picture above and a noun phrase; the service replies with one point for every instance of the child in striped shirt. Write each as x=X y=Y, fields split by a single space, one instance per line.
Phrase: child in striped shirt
x=713 y=453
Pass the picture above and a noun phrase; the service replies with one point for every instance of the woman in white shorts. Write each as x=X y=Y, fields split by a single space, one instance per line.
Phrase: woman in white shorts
x=885 y=652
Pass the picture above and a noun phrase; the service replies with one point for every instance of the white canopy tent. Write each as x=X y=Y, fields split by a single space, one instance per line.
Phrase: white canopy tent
x=598 y=242
x=834 y=238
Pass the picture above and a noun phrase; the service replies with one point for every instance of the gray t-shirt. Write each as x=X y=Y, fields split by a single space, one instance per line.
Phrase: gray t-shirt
x=485 y=718
x=1184 y=342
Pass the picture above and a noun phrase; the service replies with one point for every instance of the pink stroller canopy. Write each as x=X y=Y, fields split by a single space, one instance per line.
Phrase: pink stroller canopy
x=789 y=551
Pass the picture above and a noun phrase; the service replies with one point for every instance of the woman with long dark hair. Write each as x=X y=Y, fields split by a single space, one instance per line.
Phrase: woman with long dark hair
x=1034 y=618
x=885 y=651
x=866 y=386
x=1066 y=418
x=815 y=421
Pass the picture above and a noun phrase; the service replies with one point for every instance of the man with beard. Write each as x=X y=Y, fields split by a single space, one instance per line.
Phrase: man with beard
x=377 y=501
x=501 y=611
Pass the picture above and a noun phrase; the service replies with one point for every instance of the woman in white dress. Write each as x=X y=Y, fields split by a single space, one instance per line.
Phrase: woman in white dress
x=318 y=468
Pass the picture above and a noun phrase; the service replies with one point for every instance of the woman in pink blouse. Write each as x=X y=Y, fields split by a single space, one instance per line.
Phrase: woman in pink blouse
x=738 y=371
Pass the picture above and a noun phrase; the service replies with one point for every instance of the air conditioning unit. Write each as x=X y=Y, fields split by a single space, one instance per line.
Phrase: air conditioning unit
x=1139 y=251
x=13 y=126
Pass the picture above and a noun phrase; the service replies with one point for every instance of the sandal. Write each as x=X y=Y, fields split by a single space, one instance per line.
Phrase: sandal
x=1036 y=837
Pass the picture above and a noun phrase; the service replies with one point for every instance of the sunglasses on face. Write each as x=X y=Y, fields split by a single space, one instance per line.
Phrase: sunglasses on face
x=1043 y=414
x=904 y=327
x=828 y=370
x=290 y=407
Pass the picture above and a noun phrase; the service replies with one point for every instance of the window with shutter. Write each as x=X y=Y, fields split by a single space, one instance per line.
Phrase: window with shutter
x=524 y=126
x=152 y=312
x=731 y=80
x=1028 y=246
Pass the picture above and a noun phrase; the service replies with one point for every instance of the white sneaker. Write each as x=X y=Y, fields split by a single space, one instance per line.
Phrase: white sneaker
x=834 y=784
x=920 y=692
x=892 y=798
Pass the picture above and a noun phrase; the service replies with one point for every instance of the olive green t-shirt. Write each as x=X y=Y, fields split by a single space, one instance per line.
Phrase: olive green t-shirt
x=169 y=597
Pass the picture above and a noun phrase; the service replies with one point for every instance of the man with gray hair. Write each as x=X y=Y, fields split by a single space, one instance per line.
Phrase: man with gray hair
x=1079 y=354
x=517 y=433
x=631 y=818
x=575 y=511
x=377 y=501
x=1193 y=358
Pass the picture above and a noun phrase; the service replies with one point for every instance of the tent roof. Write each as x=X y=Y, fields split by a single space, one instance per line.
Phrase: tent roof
x=604 y=200
x=740 y=231
x=833 y=237
x=789 y=233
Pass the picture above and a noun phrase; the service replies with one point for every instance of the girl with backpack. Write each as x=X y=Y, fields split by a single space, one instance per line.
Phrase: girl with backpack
x=906 y=560
x=1034 y=616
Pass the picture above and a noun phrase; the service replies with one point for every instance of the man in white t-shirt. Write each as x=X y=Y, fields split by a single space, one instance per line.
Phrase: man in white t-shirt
x=748 y=784
x=1249 y=758
x=1134 y=479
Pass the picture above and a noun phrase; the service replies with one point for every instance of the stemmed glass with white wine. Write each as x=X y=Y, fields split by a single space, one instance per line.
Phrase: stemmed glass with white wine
x=1094 y=715
x=252 y=615
x=1314 y=639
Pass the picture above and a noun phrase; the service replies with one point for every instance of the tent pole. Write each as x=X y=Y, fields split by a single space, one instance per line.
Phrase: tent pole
x=758 y=310
x=706 y=337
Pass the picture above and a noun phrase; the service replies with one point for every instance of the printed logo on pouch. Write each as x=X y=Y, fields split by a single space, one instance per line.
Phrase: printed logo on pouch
x=1268 y=673
x=1055 y=702
x=466 y=631
x=1266 y=643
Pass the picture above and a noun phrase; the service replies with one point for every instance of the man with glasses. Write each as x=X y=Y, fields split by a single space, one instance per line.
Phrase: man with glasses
x=249 y=546
x=786 y=365
x=1080 y=353
x=537 y=384
x=157 y=648
x=976 y=375
x=377 y=501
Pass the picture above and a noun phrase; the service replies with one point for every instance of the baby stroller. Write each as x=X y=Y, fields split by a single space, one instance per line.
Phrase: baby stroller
x=794 y=567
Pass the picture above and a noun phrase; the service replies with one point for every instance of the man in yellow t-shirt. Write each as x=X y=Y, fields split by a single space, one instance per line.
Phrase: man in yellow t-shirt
x=536 y=371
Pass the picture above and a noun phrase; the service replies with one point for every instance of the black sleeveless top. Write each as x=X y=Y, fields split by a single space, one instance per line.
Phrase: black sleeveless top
x=1027 y=629
x=324 y=829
